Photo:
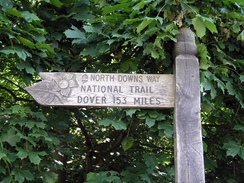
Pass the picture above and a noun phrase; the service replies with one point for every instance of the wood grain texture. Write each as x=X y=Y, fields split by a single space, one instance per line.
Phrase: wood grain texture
x=104 y=90
x=189 y=164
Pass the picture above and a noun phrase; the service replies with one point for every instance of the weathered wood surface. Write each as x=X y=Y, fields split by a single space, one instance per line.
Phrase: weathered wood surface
x=189 y=164
x=104 y=90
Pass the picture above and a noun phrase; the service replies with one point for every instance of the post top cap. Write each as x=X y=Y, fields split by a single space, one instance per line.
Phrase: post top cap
x=185 y=44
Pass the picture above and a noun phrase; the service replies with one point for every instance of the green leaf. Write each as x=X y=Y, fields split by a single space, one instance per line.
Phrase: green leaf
x=199 y=26
x=230 y=88
x=56 y=3
x=240 y=37
x=50 y=177
x=149 y=121
x=22 y=153
x=45 y=46
x=42 y=117
x=205 y=147
x=209 y=23
x=161 y=117
x=41 y=125
x=14 y=12
x=119 y=125
x=233 y=148
x=232 y=1
x=239 y=127
x=20 y=175
x=154 y=54
x=207 y=85
x=241 y=78
x=145 y=177
x=27 y=66
x=93 y=29
x=127 y=143
x=26 y=42
x=167 y=127
x=153 y=114
x=90 y=51
x=21 y=53
x=110 y=9
x=130 y=112
x=2 y=155
x=29 y=17
x=30 y=70
x=202 y=52
x=144 y=24
x=2 y=171
x=6 y=4
x=10 y=137
x=34 y=158
x=131 y=21
x=150 y=161
x=74 y=33
x=17 y=108
x=106 y=122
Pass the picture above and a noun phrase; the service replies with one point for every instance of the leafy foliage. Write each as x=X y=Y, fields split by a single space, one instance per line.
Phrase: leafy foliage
x=46 y=144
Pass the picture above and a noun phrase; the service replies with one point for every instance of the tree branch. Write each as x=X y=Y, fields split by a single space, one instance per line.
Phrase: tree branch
x=13 y=95
x=89 y=150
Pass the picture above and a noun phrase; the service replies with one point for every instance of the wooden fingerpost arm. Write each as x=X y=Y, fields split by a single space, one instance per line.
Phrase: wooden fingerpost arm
x=188 y=147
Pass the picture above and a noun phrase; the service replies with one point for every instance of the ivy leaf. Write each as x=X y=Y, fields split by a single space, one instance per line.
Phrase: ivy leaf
x=200 y=23
x=106 y=122
x=209 y=23
x=153 y=114
x=199 y=26
x=6 y=4
x=127 y=143
x=149 y=121
x=154 y=54
x=130 y=112
x=167 y=127
x=144 y=24
x=160 y=117
x=241 y=78
x=119 y=125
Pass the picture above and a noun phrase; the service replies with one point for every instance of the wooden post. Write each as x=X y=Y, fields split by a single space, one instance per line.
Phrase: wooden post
x=189 y=164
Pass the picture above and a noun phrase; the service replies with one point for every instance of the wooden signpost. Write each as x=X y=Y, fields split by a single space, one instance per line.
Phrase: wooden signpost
x=180 y=91
x=104 y=90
